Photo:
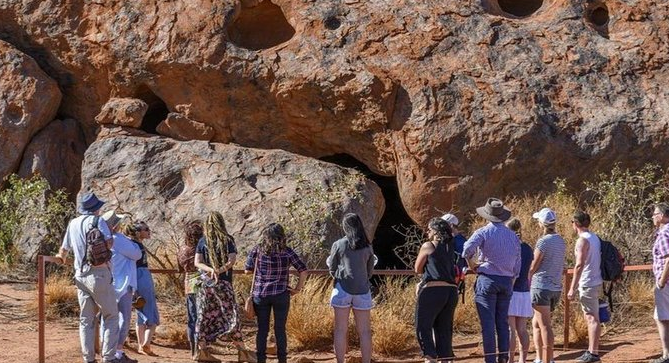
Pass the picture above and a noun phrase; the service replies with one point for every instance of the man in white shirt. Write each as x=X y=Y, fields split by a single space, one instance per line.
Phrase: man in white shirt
x=94 y=283
x=588 y=280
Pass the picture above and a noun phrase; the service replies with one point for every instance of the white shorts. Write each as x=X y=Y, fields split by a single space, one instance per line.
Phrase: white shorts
x=521 y=304
x=661 y=304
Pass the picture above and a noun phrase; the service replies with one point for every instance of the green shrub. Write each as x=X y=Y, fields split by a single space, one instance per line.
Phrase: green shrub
x=30 y=203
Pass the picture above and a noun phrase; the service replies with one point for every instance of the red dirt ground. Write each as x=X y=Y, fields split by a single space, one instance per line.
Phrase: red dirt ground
x=18 y=339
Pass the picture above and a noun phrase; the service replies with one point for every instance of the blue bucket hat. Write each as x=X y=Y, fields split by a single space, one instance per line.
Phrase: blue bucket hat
x=90 y=203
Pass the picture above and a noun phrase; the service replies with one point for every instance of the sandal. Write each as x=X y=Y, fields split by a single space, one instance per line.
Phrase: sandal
x=146 y=350
x=203 y=355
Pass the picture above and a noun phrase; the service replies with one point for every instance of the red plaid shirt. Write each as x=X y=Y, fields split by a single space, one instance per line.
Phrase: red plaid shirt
x=272 y=275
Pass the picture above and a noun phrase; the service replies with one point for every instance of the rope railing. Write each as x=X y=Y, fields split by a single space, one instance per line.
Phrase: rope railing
x=41 y=280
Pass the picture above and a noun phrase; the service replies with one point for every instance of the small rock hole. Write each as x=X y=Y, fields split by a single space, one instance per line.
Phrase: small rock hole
x=332 y=23
x=520 y=8
x=261 y=27
x=599 y=16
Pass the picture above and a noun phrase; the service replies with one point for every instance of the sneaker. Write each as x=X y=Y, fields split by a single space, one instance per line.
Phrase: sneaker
x=125 y=359
x=537 y=361
x=588 y=357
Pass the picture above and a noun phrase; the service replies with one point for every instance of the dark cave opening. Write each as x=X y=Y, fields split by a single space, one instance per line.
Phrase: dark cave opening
x=157 y=111
x=395 y=216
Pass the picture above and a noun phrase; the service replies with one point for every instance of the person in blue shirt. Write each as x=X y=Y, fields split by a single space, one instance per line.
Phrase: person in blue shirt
x=125 y=253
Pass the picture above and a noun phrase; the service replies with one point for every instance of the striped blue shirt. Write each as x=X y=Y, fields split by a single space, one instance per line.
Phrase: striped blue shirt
x=549 y=273
x=499 y=250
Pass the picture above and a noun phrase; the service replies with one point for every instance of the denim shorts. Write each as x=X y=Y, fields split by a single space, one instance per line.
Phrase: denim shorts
x=541 y=297
x=342 y=299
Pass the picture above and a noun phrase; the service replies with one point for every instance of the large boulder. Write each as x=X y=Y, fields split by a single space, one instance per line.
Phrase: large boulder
x=123 y=112
x=458 y=100
x=56 y=153
x=29 y=100
x=168 y=183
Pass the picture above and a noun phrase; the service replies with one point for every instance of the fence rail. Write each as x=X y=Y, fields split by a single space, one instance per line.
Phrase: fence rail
x=43 y=260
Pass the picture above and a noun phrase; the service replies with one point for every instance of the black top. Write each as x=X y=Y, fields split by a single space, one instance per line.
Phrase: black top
x=440 y=264
x=202 y=249
x=142 y=262
x=522 y=283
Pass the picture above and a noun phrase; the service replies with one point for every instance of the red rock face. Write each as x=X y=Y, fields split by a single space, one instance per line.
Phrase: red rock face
x=459 y=100
x=28 y=102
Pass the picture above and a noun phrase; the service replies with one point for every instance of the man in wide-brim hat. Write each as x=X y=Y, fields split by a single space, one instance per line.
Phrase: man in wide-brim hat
x=497 y=265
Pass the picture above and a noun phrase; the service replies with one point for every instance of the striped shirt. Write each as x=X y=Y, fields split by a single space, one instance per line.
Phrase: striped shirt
x=272 y=275
x=499 y=250
x=549 y=273
x=660 y=251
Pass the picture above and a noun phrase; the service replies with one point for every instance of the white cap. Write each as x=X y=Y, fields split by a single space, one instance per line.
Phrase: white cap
x=545 y=216
x=450 y=219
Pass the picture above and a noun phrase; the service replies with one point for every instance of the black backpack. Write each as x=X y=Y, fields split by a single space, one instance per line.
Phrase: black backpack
x=612 y=267
x=97 y=252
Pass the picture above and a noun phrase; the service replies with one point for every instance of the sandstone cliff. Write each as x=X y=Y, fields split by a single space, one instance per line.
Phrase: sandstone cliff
x=458 y=100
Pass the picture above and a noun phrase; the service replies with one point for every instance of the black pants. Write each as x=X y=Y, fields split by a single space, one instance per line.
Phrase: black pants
x=191 y=308
x=434 y=320
x=263 y=306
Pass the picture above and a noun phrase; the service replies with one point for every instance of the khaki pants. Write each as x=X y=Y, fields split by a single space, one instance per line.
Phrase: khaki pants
x=95 y=289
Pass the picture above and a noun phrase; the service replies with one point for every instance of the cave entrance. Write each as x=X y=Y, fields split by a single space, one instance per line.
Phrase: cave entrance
x=394 y=217
x=260 y=27
x=157 y=111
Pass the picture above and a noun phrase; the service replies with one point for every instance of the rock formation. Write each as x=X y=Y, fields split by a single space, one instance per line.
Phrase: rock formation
x=168 y=183
x=29 y=100
x=458 y=100
x=56 y=153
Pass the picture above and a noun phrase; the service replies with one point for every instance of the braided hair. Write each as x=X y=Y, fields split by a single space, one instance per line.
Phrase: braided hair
x=217 y=238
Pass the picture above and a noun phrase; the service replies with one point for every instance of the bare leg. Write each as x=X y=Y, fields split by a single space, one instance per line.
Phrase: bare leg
x=141 y=334
x=543 y=316
x=363 y=326
x=512 y=337
x=524 y=337
x=340 y=333
x=594 y=331
x=148 y=335
x=536 y=336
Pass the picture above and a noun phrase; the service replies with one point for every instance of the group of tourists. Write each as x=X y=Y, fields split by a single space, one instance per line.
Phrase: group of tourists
x=514 y=283
x=111 y=275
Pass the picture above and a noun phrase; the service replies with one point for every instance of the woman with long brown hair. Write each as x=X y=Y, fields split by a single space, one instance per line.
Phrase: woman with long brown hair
x=186 y=259
x=217 y=311
x=270 y=261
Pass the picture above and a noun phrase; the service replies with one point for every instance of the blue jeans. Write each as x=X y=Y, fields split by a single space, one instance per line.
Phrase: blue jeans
x=191 y=309
x=124 y=316
x=492 y=296
x=263 y=306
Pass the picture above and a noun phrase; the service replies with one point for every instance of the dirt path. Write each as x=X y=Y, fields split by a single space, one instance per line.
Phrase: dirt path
x=18 y=339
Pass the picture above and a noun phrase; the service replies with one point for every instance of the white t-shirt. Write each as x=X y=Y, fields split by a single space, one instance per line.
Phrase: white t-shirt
x=75 y=238
x=592 y=275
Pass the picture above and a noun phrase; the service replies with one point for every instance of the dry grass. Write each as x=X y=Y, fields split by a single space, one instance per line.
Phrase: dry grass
x=174 y=333
x=61 y=297
x=393 y=317
x=311 y=320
